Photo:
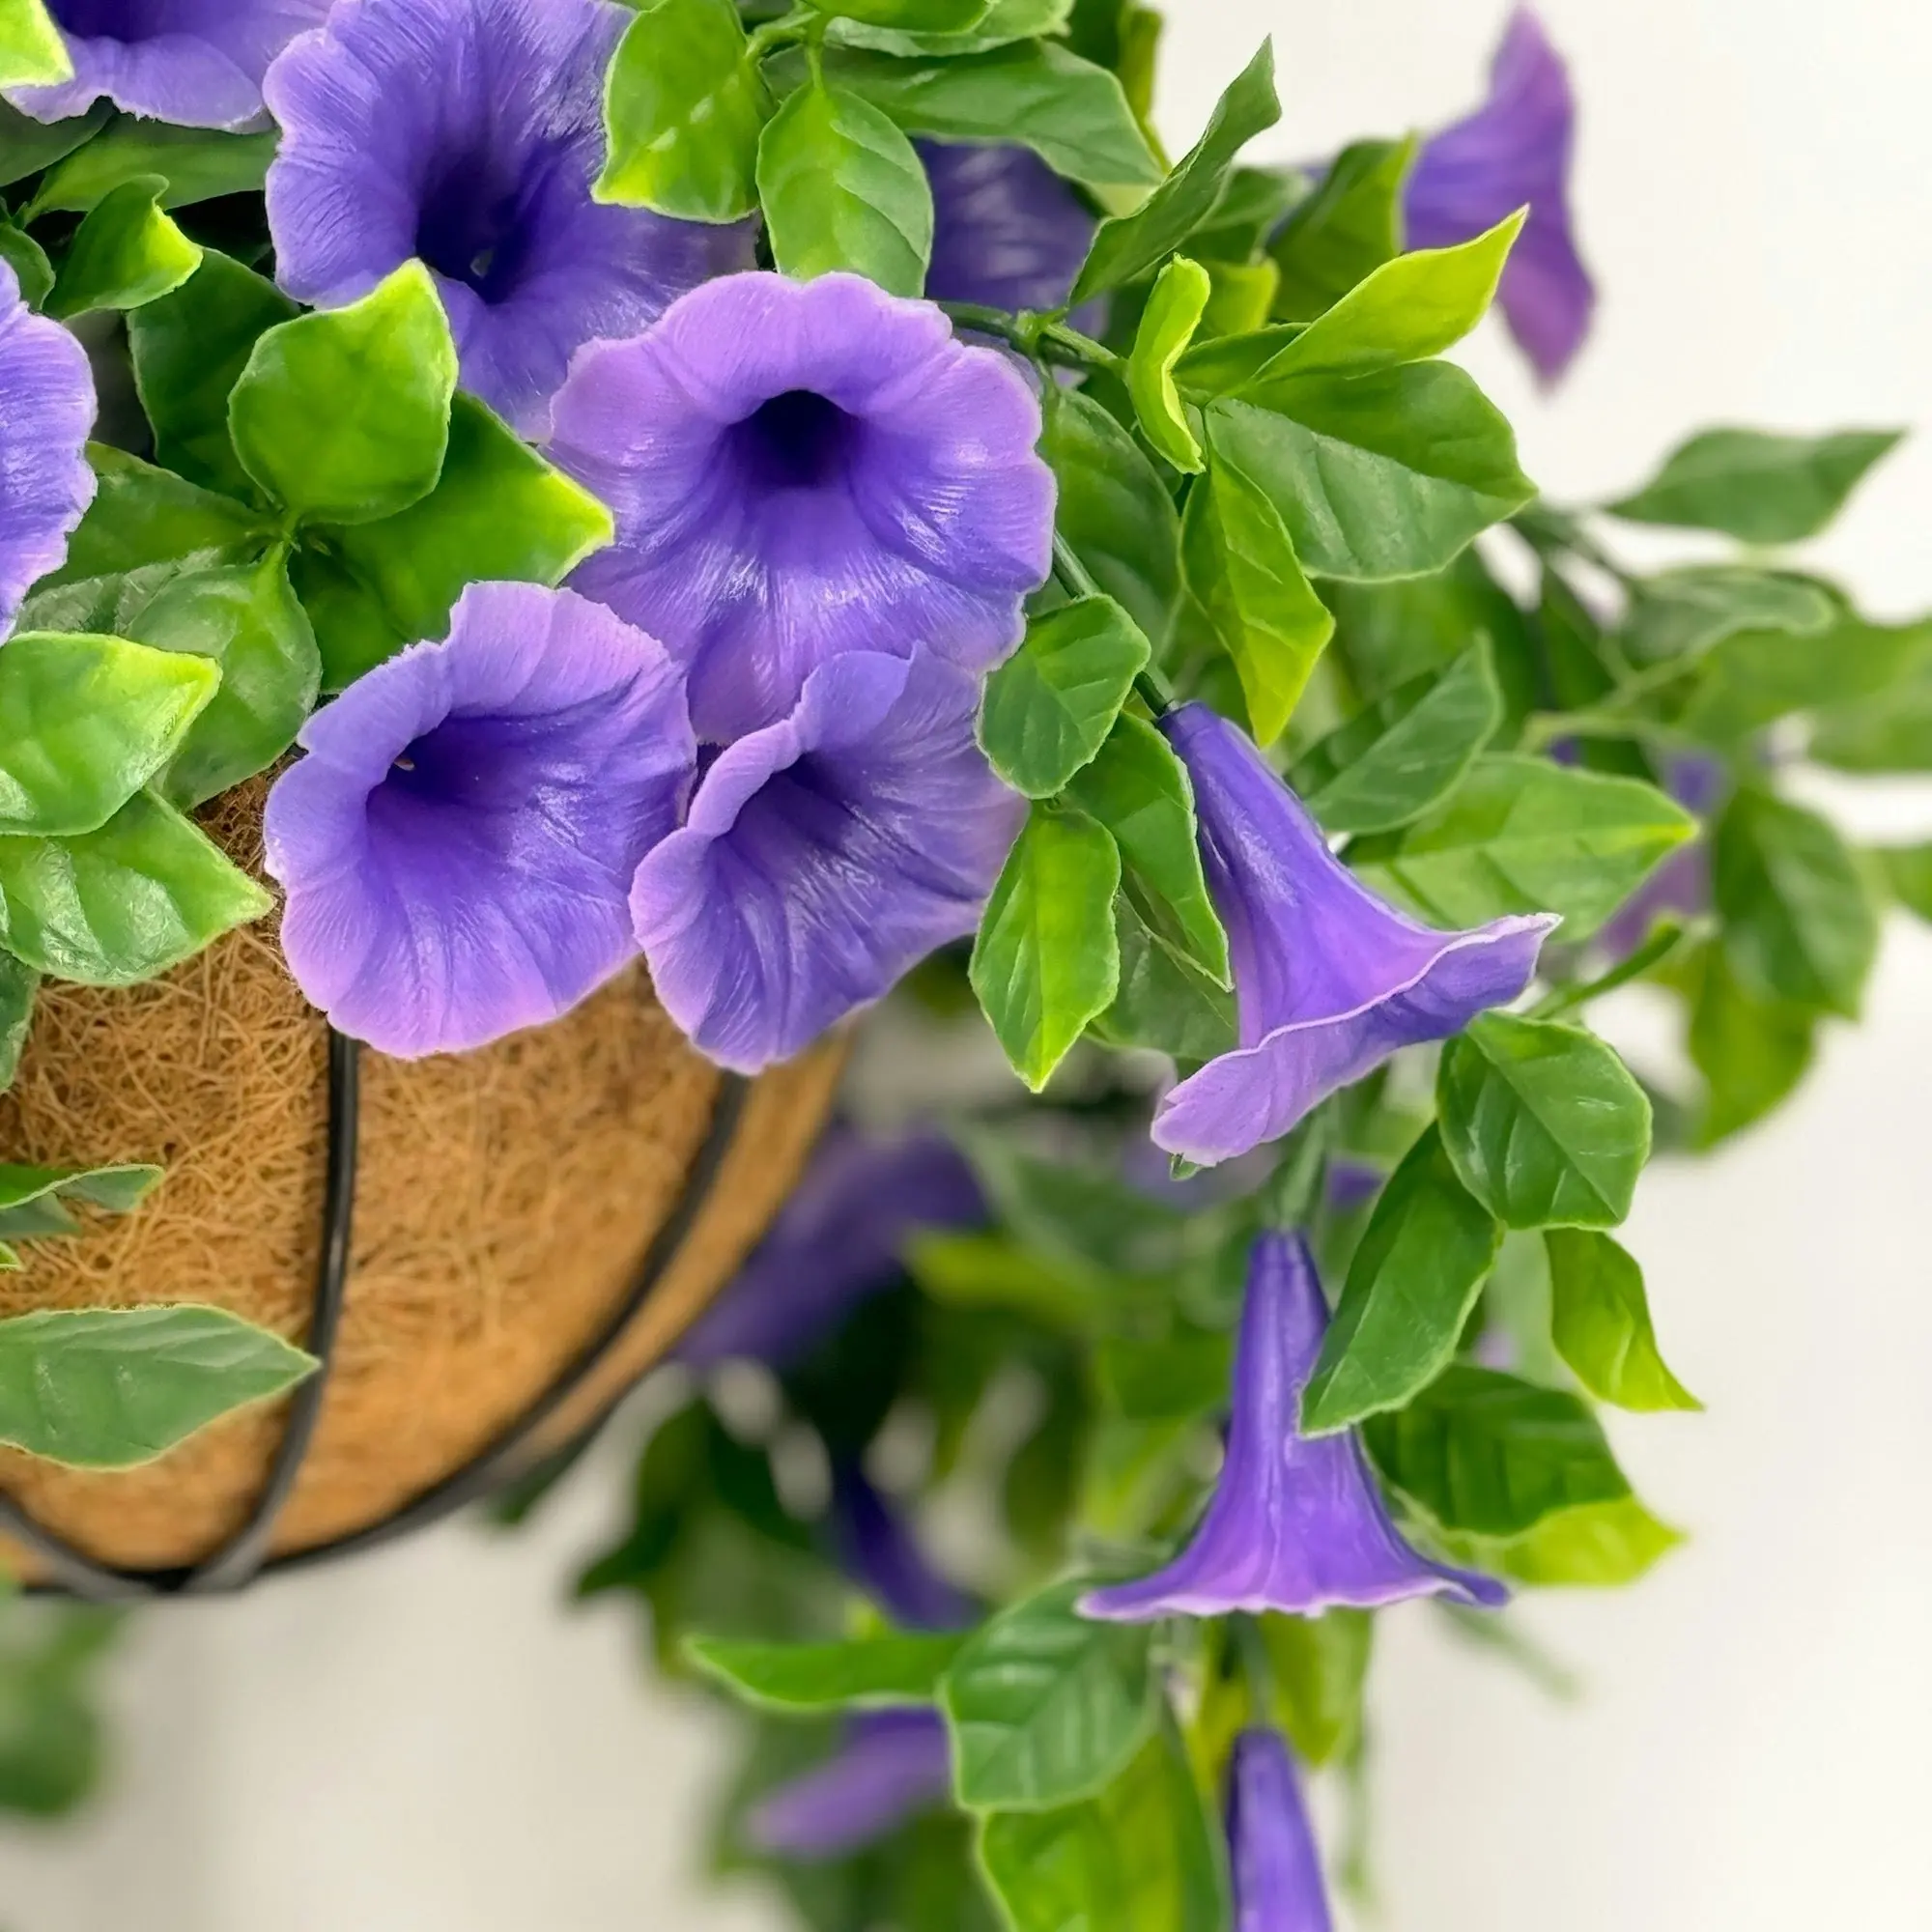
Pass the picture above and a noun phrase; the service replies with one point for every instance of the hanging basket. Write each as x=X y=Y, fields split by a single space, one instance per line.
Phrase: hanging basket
x=485 y=1249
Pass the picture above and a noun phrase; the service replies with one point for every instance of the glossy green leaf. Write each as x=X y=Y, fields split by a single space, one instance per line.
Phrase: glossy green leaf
x=1758 y=487
x=1346 y=229
x=869 y=1673
x=343 y=416
x=1546 y=1125
x=141 y=515
x=32 y=52
x=1751 y=1049
x=1127 y=245
x=1600 y=1319
x=1488 y=1454
x=1415 y=1275
x=1165 y=1002
x=1048 y=709
x=1597 y=1545
x=843 y=188
x=931 y=17
x=126 y=253
x=1520 y=836
x=19 y=985
x=1682 y=614
x=1799 y=921
x=108 y=1388
x=685 y=104
x=1319 y=1667
x=119 y=905
x=1047 y=958
x=28 y=146
x=84 y=724
x=1045 y=1706
x=1167 y=326
x=1402 y=754
x=28 y=259
x=1004 y=21
x=193 y=164
x=33 y=1200
x=1855 y=670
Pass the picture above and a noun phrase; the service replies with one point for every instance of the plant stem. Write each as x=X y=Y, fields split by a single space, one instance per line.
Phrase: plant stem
x=1077 y=580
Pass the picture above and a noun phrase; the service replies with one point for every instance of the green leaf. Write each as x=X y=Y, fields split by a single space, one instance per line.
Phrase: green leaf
x=1758 y=487
x=32 y=52
x=1886 y=727
x=1404 y=753
x=685 y=104
x=1414 y=1277
x=1488 y=1454
x=141 y=515
x=1546 y=1125
x=1247 y=582
x=1048 y=709
x=1752 y=1050
x=1167 y=326
x=871 y=1673
x=33 y=1199
x=1907 y=872
x=1139 y=1857
x=1599 y=1546
x=1523 y=836
x=19 y=985
x=190 y=348
x=126 y=253
x=1345 y=230
x=28 y=259
x=498 y=513
x=1141 y=792
x=193 y=164
x=1752 y=678
x=1047 y=958
x=246 y=620
x=28 y=146
x=1004 y=21
x=119 y=905
x=1799 y=923
x=1319 y=1667
x=1601 y=1324
x=931 y=17
x=992 y=1272
x=1183 y=1373
x=343 y=416
x=108 y=1388
x=1166 y=1003
x=1682 y=614
x=1114 y=510
x=1127 y=245
x=84 y=724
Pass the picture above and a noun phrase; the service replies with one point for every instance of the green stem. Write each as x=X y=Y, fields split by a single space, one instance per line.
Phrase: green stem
x=1035 y=336
x=1668 y=935
x=1077 y=580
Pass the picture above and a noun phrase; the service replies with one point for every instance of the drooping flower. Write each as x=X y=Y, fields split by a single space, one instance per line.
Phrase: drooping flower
x=1271 y=1853
x=1328 y=981
x=1296 y=1523
x=458 y=845
x=468 y=133
x=1007 y=230
x=46 y=408
x=892 y=1766
x=823 y=857
x=800 y=468
x=197 y=63
x=1515 y=150
x=878 y=1550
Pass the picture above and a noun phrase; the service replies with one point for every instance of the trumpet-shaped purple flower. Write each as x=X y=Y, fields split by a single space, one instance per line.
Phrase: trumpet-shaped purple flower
x=468 y=133
x=1272 y=1853
x=458 y=844
x=824 y=857
x=1295 y=1524
x=1513 y=150
x=1007 y=230
x=46 y=408
x=892 y=1766
x=800 y=468
x=198 y=62
x=1328 y=981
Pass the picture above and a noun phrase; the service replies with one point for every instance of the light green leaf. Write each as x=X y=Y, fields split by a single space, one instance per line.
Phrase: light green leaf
x=126 y=253
x=32 y=52
x=193 y=164
x=1048 y=709
x=930 y=16
x=1885 y=726
x=1047 y=959
x=1346 y=229
x=141 y=515
x=1319 y=1667
x=1751 y=1049
x=1165 y=1003
x=1758 y=487
x=1681 y=613
x=19 y=985
x=1167 y=326
x=29 y=262
x=867 y=1673
x=1414 y=1277
x=108 y=1388
x=343 y=416
x=1600 y=1319
x=1183 y=1373
x=33 y=1200
x=84 y=724
x=1597 y=1545
x=1907 y=872
x=28 y=146
x=993 y=1271
x=1004 y=21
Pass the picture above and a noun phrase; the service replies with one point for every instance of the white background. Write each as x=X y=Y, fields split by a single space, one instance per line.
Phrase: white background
x=428 y=1741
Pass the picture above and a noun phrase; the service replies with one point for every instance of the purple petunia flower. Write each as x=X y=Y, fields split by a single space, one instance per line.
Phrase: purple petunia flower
x=1328 y=981
x=1295 y=1524
x=46 y=408
x=1513 y=150
x=468 y=133
x=880 y=1554
x=824 y=857
x=1274 y=1864
x=197 y=63
x=892 y=1766
x=800 y=468
x=459 y=843
x=1007 y=230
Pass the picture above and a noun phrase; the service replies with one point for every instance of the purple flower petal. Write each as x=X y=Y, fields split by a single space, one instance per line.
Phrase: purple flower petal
x=881 y=1555
x=459 y=843
x=1007 y=230
x=892 y=1766
x=46 y=408
x=799 y=469
x=197 y=63
x=1328 y=981
x=469 y=132
x=1681 y=884
x=1275 y=1866
x=1515 y=149
x=824 y=857
x=1295 y=1524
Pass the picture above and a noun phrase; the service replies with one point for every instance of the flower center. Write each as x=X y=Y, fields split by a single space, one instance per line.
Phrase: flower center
x=797 y=441
x=471 y=232
x=99 y=19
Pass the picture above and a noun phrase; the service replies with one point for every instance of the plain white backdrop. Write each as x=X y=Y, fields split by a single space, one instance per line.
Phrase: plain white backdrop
x=428 y=1742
